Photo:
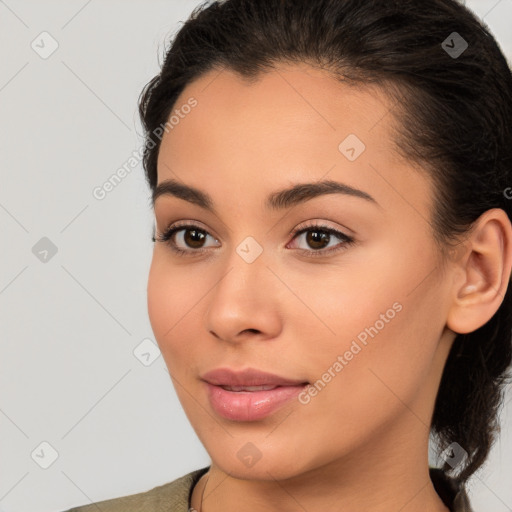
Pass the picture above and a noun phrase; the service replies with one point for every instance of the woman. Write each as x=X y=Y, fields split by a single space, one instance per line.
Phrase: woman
x=333 y=249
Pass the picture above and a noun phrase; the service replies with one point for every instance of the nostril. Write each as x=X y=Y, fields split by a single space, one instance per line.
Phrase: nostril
x=251 y=330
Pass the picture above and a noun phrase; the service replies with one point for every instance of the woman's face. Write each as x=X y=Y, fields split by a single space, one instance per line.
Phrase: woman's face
x=263 y=284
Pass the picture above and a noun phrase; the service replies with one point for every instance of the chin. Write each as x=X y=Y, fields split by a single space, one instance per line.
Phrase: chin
x=263 y=470
x=247 y=458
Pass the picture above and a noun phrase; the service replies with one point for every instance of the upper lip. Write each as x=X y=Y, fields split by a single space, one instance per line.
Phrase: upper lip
x=247 y=377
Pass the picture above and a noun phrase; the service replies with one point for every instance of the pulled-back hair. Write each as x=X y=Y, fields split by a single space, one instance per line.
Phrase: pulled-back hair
x=454 y=114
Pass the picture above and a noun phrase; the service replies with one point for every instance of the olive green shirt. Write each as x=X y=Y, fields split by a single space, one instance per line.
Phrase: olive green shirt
x=175 y=496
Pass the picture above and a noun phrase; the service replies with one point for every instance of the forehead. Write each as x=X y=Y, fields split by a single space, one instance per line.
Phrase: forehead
x=293 y=106
x=290 y=99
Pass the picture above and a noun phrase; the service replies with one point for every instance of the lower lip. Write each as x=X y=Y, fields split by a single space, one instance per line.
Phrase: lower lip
x=250 y=405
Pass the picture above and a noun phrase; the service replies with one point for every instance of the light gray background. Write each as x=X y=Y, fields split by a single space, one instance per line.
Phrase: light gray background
x=70 y=325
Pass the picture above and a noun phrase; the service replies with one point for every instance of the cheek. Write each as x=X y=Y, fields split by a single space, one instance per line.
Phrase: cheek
x=159 y=298
x=387 y=342
x=171 y=308
x=376 y=318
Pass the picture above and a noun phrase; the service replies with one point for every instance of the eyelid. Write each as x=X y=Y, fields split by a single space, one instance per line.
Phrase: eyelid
x=320 y=223
x=191 y=223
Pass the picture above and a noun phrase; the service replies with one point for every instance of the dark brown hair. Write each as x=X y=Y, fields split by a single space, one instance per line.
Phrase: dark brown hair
x=454 y=116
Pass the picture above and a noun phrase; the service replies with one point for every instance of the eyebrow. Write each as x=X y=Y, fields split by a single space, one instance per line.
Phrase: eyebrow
x=280 y=200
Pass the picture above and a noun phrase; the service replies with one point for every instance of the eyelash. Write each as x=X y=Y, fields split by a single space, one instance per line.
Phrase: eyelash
x=347 y=240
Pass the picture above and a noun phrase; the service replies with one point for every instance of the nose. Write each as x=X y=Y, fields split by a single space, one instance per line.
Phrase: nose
x=245 y=302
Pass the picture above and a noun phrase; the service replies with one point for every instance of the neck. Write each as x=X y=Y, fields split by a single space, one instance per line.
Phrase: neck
x=380 y=476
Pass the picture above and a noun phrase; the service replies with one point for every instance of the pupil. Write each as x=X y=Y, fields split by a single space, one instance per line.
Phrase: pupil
x=313 y=239
x=196 y=239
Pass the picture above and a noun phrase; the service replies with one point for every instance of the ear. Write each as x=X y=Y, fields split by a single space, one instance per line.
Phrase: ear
x=482 y=272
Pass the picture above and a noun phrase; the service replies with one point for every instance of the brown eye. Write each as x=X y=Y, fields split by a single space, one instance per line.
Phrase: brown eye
x=194 y=237
x=185 y=239
x=317 y=239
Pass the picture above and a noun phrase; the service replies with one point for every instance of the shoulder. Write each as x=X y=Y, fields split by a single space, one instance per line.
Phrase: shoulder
x=175 y=496
x=170 y=497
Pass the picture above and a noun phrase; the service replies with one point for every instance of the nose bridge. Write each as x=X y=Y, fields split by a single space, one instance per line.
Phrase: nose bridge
x=245 y=270
x=242 y=299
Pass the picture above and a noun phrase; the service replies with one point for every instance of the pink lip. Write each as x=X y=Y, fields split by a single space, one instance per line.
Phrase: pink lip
x=249 y=405
x=247 y=377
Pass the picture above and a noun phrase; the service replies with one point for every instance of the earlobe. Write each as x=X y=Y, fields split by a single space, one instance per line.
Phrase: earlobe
x=486 y=266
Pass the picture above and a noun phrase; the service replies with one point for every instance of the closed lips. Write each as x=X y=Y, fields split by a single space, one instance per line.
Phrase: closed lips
x=247 y=380
x=248 y=388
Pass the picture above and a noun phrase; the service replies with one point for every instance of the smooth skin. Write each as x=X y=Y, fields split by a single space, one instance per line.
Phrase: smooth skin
x=361 y=444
